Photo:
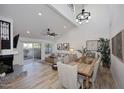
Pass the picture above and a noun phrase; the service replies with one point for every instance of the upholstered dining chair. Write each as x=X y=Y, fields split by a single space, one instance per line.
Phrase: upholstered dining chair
x=66 y=59
x=68 y=76
x=95 y=72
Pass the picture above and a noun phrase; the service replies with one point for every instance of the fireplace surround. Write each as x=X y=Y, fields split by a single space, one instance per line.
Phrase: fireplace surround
x=6 y=43
x=8 y=61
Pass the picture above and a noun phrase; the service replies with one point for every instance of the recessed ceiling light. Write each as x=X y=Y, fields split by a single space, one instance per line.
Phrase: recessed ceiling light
x=80 y=22
x=89 y=17
x=65 y=27
x=28 y=32
x=39 y=13
x=76 y=20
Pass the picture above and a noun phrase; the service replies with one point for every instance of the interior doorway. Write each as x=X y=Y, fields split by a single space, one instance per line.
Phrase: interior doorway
x=32 y=52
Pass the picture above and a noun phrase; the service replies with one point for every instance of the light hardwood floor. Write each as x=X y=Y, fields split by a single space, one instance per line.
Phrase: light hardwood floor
x=41 y=76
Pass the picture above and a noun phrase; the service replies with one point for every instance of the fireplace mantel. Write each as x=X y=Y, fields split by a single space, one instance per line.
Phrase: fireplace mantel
x=9 y=53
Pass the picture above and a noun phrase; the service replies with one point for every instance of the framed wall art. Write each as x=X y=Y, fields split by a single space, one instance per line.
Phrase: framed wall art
x=5 y=34
x=92 y=45
x=48 y=48
x=0 y=43
x=59 y=46
x=63 y=46
x=118 y=45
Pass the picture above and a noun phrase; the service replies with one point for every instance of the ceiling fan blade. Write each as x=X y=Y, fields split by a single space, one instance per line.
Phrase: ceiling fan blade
x=56 y=34
x=48 y=33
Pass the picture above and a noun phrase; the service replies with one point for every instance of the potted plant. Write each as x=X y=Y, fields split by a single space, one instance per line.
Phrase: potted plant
x=83 y=52
x=104 y=49
x=3 y=69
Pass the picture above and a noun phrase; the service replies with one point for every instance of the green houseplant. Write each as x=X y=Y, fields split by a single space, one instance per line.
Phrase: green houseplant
x=104 y=49
x=3 y=68
x=82 y=51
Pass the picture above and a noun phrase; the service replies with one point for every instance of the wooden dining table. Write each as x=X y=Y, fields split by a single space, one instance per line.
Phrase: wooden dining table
x=85 y=70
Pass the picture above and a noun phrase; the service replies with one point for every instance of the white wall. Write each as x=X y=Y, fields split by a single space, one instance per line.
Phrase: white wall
x=18 y=59
x=97 y=27
x=117 y=24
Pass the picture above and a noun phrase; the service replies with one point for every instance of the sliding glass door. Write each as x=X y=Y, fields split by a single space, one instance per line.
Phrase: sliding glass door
x=37 y=51
x=28 y=51
x=32 y=52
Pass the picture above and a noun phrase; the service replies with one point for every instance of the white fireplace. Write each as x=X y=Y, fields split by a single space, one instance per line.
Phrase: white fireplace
x=6 y=43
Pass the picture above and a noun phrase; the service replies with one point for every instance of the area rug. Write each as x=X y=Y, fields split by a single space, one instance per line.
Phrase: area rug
x=10 y=78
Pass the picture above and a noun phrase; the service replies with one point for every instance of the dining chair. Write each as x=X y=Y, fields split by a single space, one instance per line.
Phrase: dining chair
x=95 y=71
x=68 y=76
x=66 y=59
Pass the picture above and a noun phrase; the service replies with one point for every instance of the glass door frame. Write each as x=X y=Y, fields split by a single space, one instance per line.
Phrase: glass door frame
x=33 y=43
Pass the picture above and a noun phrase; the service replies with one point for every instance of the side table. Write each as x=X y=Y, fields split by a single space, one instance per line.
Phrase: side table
x=54 y=66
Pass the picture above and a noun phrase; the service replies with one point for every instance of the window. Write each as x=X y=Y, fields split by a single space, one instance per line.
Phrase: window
x=48 y=48
x=71 y=6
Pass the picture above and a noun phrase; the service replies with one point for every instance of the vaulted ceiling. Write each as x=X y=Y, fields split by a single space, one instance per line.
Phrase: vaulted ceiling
x=26 y=18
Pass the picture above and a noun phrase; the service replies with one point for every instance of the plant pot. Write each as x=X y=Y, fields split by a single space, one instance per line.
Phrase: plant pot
x=3 y=75
x=106 y=65
x=103 y=64
x=83 y=58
